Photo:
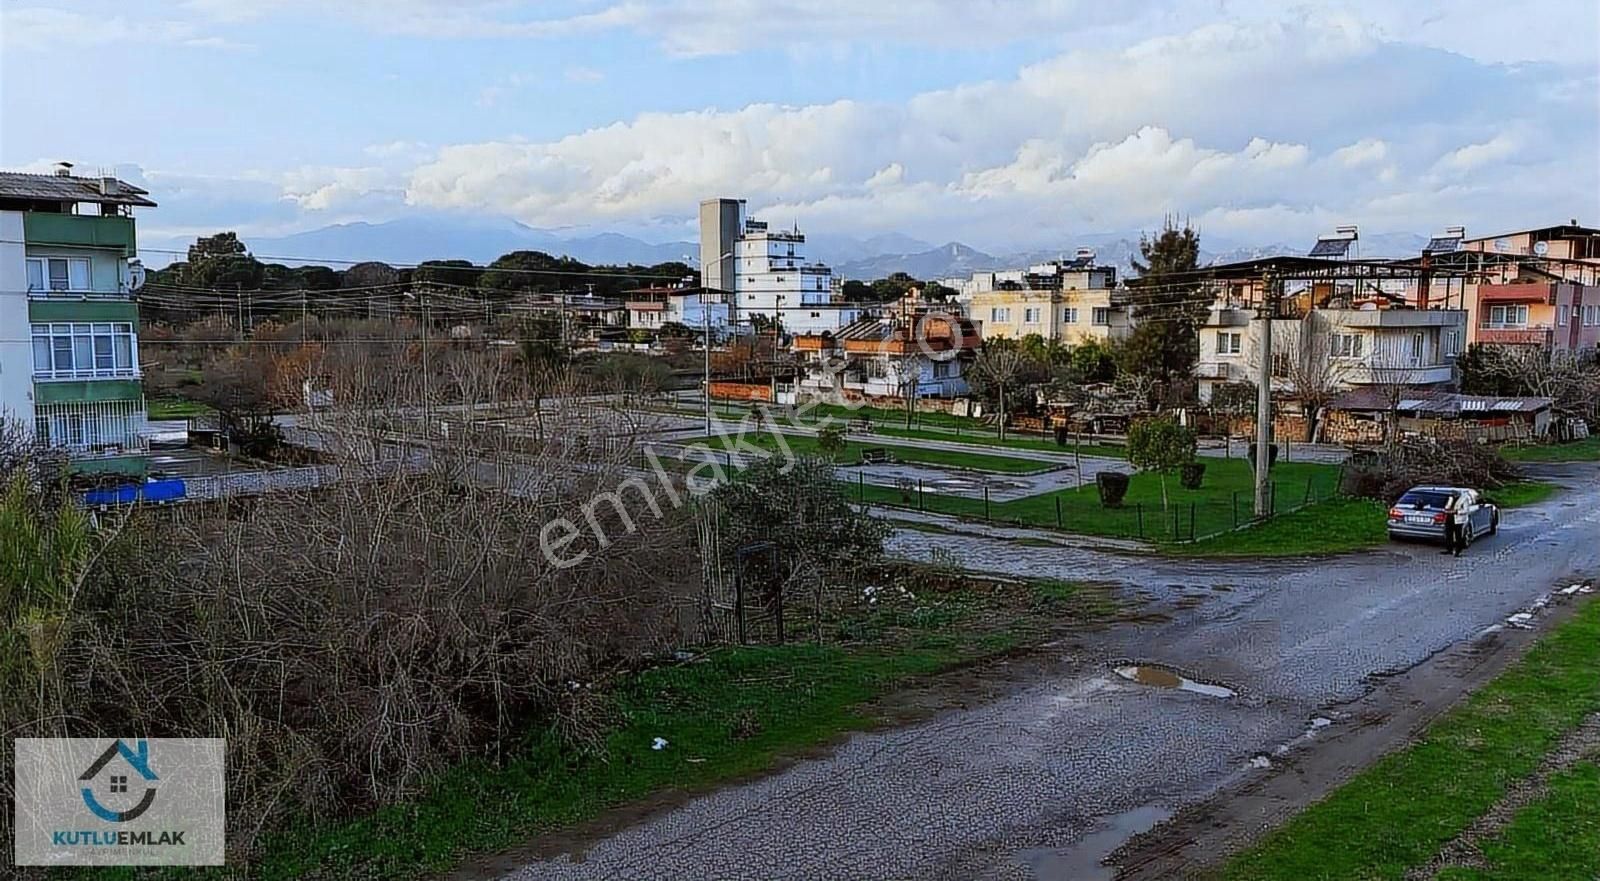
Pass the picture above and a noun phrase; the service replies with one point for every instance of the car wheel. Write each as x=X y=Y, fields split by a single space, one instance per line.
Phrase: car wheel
x=1466 y=536
x=1494 y=523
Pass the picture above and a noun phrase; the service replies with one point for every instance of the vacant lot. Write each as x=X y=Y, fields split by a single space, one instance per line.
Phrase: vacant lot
x=725 y=713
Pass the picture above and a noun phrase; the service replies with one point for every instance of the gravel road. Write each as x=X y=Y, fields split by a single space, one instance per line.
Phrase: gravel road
x=1044 y=782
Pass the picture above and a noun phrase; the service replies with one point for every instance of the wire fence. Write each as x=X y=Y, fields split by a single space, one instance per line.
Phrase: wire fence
x=1189 y=515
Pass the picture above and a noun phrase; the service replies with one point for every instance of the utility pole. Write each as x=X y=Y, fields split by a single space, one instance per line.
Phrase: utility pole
x=705 y=343
x=1269 y=308
x=427 y=374
x=905 y=363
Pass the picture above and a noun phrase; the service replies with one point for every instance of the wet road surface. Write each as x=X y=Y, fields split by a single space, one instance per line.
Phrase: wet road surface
x=1042 y=783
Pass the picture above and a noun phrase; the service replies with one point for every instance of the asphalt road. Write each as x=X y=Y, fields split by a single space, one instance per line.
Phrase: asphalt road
x=1046 y=781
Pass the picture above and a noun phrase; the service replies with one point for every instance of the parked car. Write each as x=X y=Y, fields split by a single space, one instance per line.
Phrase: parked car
x=1424 y=511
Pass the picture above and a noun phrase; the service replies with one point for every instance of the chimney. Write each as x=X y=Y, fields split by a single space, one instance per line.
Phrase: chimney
x=63 y=169
x=109 y=186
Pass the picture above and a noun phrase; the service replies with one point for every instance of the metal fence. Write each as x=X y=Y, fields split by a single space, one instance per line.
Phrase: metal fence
x=1183 y=520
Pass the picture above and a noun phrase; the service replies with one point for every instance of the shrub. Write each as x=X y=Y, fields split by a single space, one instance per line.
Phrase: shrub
x=1113 y=485
x=1415 y=461
x=1191 y=474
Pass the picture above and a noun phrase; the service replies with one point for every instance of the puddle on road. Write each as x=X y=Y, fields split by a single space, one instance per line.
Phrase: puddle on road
x=1084 y=861
x=1161 y=677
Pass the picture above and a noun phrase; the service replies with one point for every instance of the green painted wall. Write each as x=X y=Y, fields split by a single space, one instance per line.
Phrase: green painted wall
x=77 y=230
x=82 y=310
x=87 y=391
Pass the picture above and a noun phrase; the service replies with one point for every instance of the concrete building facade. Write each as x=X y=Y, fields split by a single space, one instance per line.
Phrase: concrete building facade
x=69 y=362
x=767 y=273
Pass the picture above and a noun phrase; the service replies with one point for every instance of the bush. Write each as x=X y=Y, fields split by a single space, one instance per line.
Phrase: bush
x=1113 y=486
x=1191 y=474
x=1062 y=435
x=1416 y=461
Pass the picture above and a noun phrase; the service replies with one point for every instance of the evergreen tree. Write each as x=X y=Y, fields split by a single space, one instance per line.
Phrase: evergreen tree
x=1167 y=314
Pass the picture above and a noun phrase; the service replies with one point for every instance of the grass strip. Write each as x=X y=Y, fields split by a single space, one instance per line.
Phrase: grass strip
x=1402 y=810
x=1555 y=837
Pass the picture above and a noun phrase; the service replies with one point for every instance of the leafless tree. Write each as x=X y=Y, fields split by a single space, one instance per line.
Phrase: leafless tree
x=999 y=367
x=1394 y=372
x=1303 y=359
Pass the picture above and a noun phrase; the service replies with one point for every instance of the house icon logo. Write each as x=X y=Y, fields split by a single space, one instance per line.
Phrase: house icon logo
x=117 y=762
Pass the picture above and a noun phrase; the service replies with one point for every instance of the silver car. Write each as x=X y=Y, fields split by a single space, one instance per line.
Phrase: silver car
x=1424 y=512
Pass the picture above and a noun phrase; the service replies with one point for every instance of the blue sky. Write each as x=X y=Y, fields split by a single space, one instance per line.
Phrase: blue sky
x=1007 y=125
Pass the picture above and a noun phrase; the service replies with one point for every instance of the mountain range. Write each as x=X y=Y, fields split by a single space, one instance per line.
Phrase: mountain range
x=481 y=239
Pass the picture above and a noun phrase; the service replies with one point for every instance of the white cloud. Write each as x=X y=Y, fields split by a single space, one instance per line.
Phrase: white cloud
x=580 y=74
x=1266 y=129
x=1474 y=156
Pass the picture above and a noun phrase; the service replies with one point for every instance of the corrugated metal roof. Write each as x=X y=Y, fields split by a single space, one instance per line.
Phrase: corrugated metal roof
x=61 y=188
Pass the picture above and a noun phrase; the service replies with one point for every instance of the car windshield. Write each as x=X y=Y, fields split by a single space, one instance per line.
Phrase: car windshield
x=1427 y=499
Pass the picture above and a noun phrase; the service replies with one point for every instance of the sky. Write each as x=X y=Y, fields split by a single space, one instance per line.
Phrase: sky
x=1004 y=125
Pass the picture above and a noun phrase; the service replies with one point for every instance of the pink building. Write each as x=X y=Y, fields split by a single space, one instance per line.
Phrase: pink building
x=1552 y=300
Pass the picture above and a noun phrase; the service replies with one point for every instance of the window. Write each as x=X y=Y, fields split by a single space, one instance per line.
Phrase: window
x=1346 y=345
x=1561 y=316
x=1417 y=346
x=1030 y=315
x=1452 y=342
x=1069 y=315
x=1227 y=343
x=83 y=351
x=1000 y=314
x=1100 y=316
x=1591 y=316
x=1508 y=316
x=59 y=274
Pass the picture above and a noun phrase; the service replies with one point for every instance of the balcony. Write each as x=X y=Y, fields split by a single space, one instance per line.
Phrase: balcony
x=1515 y=335
x=79 y=231
x=1396 y=317
x=1517 y=293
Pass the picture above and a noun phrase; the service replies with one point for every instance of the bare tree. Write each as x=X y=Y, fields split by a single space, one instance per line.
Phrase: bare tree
x=999 y=367
x=1303 y=359
x=1393 y=368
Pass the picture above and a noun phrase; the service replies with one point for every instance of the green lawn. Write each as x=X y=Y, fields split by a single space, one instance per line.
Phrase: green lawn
x=1586 y=450
x=1331 y=527
x=1557 y=836
x=732 y=714
x=1399 y=813
x=1226 y=492
x=1012 y=441
x=176 y=408
x=1524 y=492
x=807 y=445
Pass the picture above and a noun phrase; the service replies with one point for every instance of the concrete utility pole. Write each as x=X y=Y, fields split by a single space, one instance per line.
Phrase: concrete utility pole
x=1269 y=308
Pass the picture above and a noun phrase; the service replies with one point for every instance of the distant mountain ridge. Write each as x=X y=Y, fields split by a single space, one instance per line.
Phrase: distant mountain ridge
x=481 y=239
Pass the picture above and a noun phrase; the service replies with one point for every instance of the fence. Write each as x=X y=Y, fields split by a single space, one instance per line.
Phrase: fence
x=1190 y=515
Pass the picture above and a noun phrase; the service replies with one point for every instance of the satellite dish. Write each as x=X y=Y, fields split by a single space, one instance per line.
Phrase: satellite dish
x=1541 y=248
x=136 y=275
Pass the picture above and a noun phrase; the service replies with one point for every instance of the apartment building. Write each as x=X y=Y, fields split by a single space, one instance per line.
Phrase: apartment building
x=69 y=325
x=692 y=306
x=1069 y=301
x=767 y=272
x=1551 y=300
x=925 y=356
x=1341 y=348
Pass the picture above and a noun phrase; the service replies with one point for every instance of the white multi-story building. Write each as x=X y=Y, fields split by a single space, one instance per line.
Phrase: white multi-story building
x=769 y=275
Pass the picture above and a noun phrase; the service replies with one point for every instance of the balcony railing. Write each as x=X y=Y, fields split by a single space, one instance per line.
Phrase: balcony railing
x=88 y=373
x=122 y=293
x=1514 y=335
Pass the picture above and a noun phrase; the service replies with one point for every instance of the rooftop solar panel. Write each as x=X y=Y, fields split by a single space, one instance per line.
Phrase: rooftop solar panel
x=1330 y=248
x=1441 y=243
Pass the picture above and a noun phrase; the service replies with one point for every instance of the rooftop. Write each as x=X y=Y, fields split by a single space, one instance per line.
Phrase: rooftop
x=70 y=188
